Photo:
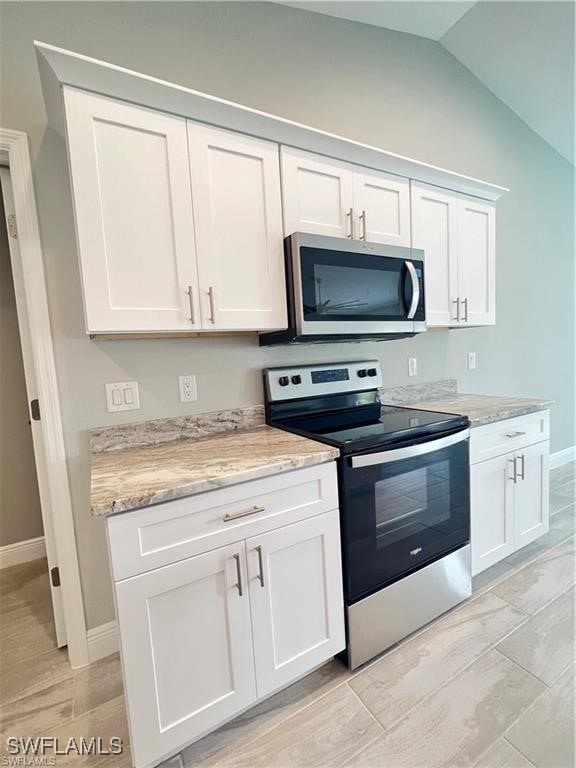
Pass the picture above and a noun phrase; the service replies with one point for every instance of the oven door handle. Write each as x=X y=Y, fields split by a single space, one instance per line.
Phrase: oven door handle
x=410 y=452
x=415 y=290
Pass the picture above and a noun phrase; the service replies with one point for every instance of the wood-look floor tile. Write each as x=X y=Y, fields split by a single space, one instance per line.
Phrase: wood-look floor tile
x=97 y=683
x=546 y=731
x=34 y=674
x=104 y=721
x=545 y=644
x=459 y=722
x=562 y=474
x=560 y=499
x=18 y=577
x=326 y=733
x=502 y=755
x=250 y=725
x=30 y=637
x=562 y=527
x=405 y=676
x=487 y=579
x=541 y=581
x=36 y=713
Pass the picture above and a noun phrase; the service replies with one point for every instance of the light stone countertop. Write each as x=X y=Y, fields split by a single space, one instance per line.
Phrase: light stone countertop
x=131 y=478
x=482 y=409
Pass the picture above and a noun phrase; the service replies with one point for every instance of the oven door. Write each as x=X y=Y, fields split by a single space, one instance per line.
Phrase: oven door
x=402 y=509
x=348 y=287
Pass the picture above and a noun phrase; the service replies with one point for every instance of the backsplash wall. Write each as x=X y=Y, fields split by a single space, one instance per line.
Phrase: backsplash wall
x=409 y=96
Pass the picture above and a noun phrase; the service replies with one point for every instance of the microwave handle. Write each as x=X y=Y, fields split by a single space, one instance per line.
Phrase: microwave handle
x=415 y=290
x=410 y=452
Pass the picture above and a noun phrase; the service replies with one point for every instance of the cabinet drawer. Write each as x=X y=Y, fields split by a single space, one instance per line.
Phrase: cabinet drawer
x=149 y=538
x=508 y=435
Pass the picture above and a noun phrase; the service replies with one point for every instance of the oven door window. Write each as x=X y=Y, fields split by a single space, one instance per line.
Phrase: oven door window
x=398 y=516
x=339 y=286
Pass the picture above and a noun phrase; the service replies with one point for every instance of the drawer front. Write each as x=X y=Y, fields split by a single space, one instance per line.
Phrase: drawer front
x=149 y=538
x=508 y=435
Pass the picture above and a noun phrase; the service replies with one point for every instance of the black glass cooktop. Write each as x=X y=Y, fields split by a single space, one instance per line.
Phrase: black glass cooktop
x=361 y=429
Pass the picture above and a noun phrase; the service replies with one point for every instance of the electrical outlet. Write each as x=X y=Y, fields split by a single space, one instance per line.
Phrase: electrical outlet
x=122 y=396
x=187 y=387
x=412 y=366
x=471 y=361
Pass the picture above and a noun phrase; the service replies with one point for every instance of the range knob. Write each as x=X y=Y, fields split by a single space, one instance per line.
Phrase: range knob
x=297 y=379
x=372 y=372
x=283 y=381
x=362 y=373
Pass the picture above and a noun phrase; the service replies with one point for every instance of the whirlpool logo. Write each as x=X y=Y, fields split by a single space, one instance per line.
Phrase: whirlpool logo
x=416 y=551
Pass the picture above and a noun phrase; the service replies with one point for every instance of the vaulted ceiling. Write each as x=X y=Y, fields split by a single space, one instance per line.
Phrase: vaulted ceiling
x=522 y=50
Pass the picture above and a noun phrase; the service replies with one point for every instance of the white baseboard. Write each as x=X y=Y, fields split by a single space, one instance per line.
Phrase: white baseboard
x=102 y=641
x=562 y=457
x=22 y=552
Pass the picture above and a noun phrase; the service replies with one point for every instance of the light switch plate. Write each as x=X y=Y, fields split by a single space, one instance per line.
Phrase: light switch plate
x=471 y=361
x=412 y=366
x=122 y=396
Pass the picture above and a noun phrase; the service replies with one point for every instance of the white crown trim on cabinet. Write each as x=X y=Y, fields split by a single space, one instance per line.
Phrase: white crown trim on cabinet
x=22 y=552
x=61 y=67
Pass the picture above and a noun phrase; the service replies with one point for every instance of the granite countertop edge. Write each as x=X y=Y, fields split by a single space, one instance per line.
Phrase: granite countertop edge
x=468 y=405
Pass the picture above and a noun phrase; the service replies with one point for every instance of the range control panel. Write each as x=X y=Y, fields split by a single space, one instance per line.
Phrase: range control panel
x=326 y=379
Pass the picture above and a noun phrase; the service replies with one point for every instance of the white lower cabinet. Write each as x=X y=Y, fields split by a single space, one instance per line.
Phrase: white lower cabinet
x=204 y=638
x=295 y=578
x=509 y=493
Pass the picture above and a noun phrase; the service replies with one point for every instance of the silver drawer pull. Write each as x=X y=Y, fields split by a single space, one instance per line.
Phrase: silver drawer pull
x=236 y=515
x=514 y=477
x=522 y=473
x=514 y=434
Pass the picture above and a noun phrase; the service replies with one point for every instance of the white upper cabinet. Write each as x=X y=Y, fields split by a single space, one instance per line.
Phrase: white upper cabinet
x=328 y=197
x=133 y=206
x=381 y=208
x=317 y=194
x=238 y=224
x=476 y=261
x=457 y=234
x=434 y=230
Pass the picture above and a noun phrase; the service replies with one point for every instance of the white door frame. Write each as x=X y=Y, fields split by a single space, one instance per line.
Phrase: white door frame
x=15 y=152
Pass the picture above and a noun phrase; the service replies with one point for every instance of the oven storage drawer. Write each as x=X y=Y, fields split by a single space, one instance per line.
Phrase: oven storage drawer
x=508 y=435
x=149 y=538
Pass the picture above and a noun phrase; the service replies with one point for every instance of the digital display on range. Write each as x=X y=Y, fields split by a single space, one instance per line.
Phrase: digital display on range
x=336 y=374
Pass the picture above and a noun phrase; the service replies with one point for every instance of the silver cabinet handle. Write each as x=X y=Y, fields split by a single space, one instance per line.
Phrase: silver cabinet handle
x=362 y=218
x=211 y=298
x=514 y=434
x=465 y=302
x=238 y=575
x=350 y=217
x=236 y=515
x=521 y=474
x=457 y=302
x=514 y=473
x=260 y=566
x=191 y=303
x=415 y=289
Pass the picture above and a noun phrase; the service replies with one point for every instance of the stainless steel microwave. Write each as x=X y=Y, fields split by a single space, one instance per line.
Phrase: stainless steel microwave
x=350 y=290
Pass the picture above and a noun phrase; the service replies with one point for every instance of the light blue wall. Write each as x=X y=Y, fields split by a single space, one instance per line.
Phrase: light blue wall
x=403 y=93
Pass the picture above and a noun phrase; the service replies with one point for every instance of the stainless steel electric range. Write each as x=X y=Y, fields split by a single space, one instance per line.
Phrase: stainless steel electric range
x=404 y=497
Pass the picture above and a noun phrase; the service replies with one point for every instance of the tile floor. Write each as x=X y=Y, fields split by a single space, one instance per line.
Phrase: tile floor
x=490 y=684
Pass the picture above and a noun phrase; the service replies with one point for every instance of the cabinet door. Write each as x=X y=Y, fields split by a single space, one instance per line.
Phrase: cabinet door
x=492 y=511
x=476 y=262
x=186 y=650
x=296 y=597
x=531 y=502
x=238 y=218
x=134 y=222
x=434 y=229
x=317 y=194
x=382 y=208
